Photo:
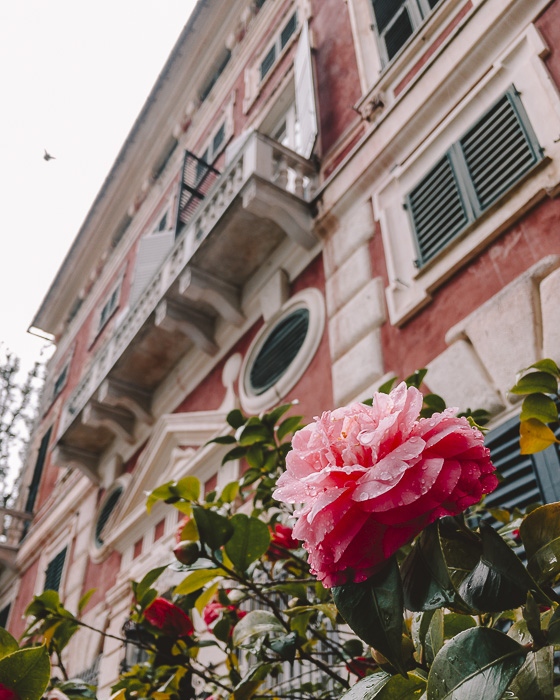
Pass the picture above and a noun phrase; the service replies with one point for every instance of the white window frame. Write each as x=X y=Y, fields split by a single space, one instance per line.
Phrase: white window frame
x=311 y=299
x=410 y=288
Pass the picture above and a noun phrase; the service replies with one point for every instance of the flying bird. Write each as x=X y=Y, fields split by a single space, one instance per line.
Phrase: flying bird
x=48 y=156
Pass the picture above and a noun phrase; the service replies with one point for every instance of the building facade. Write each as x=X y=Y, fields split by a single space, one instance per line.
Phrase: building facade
x=318 y=195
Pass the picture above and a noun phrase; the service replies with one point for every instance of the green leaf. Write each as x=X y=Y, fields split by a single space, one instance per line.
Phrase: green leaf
x=252 y=434
x=535 y=679
x=477 y=663
x=247 y=688
x=374 y=611
x=249 y=541
x=398 y=688
x=547 y=365
x=499 y=581
x=536 y=382
x=214 y=529
x=290 y=425
x=161 y=493
x=385 y=388
x=255 y=457
x=205 y=597
x=236 y=453
x=540 y=533
x=416 y=378
x=27 y=671
x=534 y=436
x=7 y=643
x=236 y=419
x=453 y=623
x=270 y=419
x=285 y=646
x=256 y=623
x=223 y=440
x=434 y=636
x=84 y=600
x=197 y=579
x=187 y=488
x=443 y=555
x=368 y=688
x=539 y=406
x=230 y=492
x=146 y=582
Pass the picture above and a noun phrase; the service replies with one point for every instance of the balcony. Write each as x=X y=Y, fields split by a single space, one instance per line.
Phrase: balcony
x=262 y=197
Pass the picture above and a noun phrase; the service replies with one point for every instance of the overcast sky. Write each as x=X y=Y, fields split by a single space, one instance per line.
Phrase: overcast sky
x=73 y=77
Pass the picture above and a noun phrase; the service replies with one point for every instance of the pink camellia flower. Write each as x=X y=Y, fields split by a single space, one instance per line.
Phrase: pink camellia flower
x=169 y=618
x=281 y=539
x=371 y=478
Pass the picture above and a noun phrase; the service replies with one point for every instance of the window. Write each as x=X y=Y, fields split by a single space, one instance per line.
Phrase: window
x=280 y=43
x=527 y=479
x=282 y=351
x=60 y=381
x=37 y=472
x=396 y=21
x=109 y=307
x=214 y=74
x=478 y=169
x=53 y=574
x=105 y=512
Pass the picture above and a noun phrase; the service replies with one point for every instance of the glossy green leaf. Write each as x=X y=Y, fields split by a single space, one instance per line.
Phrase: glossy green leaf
x=256 y=623
x=187 y=488
x=247 y=688
x=540 y=533
x=443 y=555
x=27 y=671
x=151 y=577
x=534 y=436
x=223 y=440
x=374 y=611
x=7 y=643
x=419 y=629
x=236 y=419
x=270 y=419
x=535 y=679
x=368 y=688
x=453 y=623
x=255 y=457
x=249 y=541
x=411 y=687
x=434 y=637
x=477 y=663
x=416 y=378
x=214 y=529
x=533 y=382
x=288 y=426
x=230 y=492
x=252 y=434
x=197 y=580
x=539 y=406
x=236 y=453
x=547 y=365
x=285 y=646
x=161 y=493
x=499 y=581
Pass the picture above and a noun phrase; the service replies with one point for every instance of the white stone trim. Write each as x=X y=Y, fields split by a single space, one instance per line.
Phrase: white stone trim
x=310 y=298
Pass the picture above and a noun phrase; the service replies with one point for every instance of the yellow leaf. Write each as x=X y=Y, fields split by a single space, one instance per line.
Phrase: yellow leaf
x=119 y=695
x=49 y=634
x=535 y=436
x=206 y=596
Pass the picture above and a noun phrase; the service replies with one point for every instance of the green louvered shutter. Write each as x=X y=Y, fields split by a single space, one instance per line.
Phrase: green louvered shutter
x=53 y=575
x=437 y=209
x=499 y=149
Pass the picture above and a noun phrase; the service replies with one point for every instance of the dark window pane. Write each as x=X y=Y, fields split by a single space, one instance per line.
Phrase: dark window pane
x=53 y=575
x=105 y=514
x=397 y=35
x=384 y=11
x=279 y=351
x=268 y=61
x=288 y=30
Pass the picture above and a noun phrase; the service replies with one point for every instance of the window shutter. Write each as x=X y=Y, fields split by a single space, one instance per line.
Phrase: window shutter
x=37 y=472
x=305 y=93
x=53 y=575
x=105 y=515
x=437 y=209
x=152 y=251
x=497 y=150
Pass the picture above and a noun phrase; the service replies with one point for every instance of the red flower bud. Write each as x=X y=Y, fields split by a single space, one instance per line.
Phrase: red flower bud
x=7 y=693
x=169 y=618
x=186 y=552
x=281 y=540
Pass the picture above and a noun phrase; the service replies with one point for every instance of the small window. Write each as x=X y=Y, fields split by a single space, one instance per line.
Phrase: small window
x=105 y=513
x=60 y=382
x=474 y=173
x=109 y=307
x=396 y=21
x=281 y=41
x=279 y=351
x=53 y=574
x=282 y=351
